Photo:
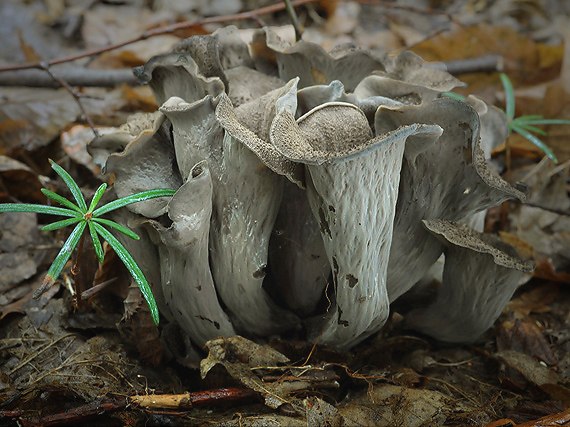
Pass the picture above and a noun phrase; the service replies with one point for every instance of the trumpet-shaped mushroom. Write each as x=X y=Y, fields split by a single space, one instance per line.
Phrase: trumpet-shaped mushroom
x=187 y=284
x=480 y=275
x=136 y=169
x=446 y=179
x=246 y=194
x=377 y=153
x=352 y=185
x=311 y=63
x=298 y=260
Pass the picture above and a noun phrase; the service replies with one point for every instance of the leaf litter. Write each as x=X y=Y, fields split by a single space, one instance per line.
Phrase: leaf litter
x=58 y=353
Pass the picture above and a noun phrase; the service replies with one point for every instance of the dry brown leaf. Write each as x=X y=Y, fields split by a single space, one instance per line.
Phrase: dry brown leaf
x=20 y=182
x=238 y=356
x=537 y=300
x=14 y=134
x=545 y=270
x=392 y=405
x=74 y=142
x=29 y=52
x=524 y=337
x=535 y=372
x=549 y=421
x=523 y=248
x=524 y=60
x=138 y=99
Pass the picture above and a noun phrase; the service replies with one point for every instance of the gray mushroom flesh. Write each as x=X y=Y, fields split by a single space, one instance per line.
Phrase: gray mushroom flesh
x=298 y=263
x=447 y=178
x=246 y=201
x=114 y=140
x=246 y=194
x=187 y=284
x=311 y=63
x=480 y=276
x=352 y=183
x=494 y=131
x=314 y=168
x=148 y=162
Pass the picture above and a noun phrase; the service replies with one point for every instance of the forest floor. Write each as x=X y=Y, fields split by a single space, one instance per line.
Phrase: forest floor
x=76 y=356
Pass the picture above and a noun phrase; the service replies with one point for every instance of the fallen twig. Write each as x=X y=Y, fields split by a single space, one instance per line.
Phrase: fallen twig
x=487 y=63
x=160 y=31
x=294 y=20
x=72 y=92
x=73 y=77
x=190 y=400
x=148 y=402
x=75 y=415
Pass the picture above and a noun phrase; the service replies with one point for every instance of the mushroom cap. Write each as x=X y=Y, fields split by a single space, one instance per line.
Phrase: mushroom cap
x=310 y=62
x=250 y=124
x=177 y=74
x=480 y=275
x=148 y=162
x=444 y=178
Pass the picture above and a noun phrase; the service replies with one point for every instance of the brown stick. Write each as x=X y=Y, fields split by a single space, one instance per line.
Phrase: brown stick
x=113 y=403
x=190 y=400
x=76 y=415
x=63 y=83
x=412 y=9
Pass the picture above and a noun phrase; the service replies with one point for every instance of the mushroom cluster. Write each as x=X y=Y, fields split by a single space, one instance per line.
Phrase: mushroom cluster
x=296 y=168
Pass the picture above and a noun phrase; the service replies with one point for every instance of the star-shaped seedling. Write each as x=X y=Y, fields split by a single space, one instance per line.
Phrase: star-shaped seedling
x=523 y=125
x=526 y=125
x=88 y=217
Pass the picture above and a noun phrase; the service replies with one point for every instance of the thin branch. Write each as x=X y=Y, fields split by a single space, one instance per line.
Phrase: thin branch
x=159 y=31
x=294 y=20
x=112 y=78
x=73 y=76
x=63 y=83
x=412 y=9
x=487 y=63
x=77 y=415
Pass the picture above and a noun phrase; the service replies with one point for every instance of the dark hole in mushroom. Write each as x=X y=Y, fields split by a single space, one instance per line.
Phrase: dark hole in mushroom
x=352 y=281
x=260 y=272
x=324 y=223
x=340 y=321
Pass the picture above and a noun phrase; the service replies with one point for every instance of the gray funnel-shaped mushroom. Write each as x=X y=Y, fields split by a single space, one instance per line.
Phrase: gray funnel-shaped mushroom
x=148 y=162
x=352 y=186
x=247 y=195
x=187 y=283
x=311 y=63
x=136 y=170
x=298 y=260
x=444 y=179
x=481 y=274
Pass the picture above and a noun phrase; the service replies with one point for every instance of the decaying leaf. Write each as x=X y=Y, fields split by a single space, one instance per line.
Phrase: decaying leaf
x=388 y=405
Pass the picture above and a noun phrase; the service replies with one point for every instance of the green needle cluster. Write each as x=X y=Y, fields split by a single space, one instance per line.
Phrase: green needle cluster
x=526 y=125
x=89 y=217
x=523 y=125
